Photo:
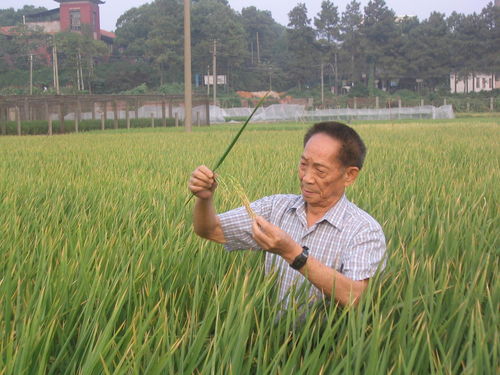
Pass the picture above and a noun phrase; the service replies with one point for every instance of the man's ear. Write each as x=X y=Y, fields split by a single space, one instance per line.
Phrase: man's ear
x=350 y=175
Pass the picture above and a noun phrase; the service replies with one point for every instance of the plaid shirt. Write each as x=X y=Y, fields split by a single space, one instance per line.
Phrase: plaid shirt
x=346 y=239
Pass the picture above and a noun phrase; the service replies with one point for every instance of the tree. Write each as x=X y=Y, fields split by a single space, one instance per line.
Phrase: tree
x=260 y=22
x=76 y=54
x=490 y=17
x=381 y=40
x=264 y=37
x=215 y=20
x=328 y=30
x=132 y=31
x=352 y=60
x=12 y=17
x=328 y=22
x=26 y=41
x=469 y=43
x=426 y=50
x=164 y=46
x=153 y=33
x=406 y=71
x=302 y=46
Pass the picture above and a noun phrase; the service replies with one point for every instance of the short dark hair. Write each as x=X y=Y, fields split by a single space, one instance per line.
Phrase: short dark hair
x=353 y=149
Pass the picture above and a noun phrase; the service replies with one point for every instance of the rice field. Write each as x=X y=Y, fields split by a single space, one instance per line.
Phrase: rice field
x=100 y=272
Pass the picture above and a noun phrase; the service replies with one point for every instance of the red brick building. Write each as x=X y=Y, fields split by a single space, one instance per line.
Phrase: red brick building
x=75 y=13
x=72 y=15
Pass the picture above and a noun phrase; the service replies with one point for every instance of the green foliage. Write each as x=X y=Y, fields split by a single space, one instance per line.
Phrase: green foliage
x=41 y=127
x=406 y=94
x=141 y=89
x=359 y=91
x=235 y=139
x=121 y=76
x=172 y=89
x=102 y=273
x=229 y=100
x=302 y=47
x=11 y=17
x=78 y=50
x=261 y=22
x=357 y=46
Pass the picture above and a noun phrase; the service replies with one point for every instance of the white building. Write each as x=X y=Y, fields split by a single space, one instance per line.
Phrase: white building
x=475 y=82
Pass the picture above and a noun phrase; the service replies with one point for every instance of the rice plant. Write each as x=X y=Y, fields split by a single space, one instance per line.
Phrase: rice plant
x=100 y=272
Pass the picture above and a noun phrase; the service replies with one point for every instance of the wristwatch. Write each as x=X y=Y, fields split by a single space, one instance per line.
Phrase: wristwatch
x=301 y=259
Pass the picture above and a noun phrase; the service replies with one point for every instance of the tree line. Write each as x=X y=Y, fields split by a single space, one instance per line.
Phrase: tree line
x=361 y=48
x=356 y=46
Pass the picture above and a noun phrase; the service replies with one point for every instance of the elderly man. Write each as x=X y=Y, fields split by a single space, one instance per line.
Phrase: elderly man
x=317 y=236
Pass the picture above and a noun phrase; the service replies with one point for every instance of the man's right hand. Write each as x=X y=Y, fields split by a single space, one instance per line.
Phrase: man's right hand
x=202 y=182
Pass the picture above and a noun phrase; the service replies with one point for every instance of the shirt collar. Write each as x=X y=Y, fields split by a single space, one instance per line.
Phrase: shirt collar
x=334 y=215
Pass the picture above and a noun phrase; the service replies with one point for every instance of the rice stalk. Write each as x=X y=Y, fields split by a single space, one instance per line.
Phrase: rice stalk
x=235 y=139
x=100 y=271
x=232 y=185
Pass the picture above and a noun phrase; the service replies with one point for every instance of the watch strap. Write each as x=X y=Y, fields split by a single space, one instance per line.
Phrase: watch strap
x=301 y=259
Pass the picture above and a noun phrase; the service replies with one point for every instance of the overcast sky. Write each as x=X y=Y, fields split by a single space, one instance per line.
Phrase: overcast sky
x=112 y=9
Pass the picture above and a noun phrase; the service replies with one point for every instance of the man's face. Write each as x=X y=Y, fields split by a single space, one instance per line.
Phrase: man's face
x=323 y=178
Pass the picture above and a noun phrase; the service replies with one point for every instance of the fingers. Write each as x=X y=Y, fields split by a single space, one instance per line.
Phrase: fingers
x=270 y=237
x=202 y=182
x=259 y=236
x=262 y=232
x=204 y=170
x=202 y=173
x=264 y=226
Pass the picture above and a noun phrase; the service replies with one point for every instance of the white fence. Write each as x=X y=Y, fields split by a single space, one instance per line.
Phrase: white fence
x=291 y=112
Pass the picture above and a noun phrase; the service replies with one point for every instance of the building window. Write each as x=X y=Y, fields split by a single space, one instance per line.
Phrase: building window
x=94 y=19
x=478 y=83
x=491 y=83
x=74 y=16
x=484 y=83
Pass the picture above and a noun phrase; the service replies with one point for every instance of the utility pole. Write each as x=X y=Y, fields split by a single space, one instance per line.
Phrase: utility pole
x=54 y=65
x=31 y=74
x=91 y=73
x=78 y=75
x=258 y=49
x=322 y=87
x=188 y=99
x=215 y=71
x=81 y=85
x=336 y=75
x=56 y=68
x=270 y=79
x=208 y=81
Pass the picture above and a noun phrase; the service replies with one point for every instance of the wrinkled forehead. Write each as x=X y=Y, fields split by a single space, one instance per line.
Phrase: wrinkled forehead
x=321 y=147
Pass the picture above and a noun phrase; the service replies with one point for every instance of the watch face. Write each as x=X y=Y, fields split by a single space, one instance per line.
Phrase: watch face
x=299 y=263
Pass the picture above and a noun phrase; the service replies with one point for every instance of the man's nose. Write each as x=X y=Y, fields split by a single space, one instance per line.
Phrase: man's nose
x=307 y=176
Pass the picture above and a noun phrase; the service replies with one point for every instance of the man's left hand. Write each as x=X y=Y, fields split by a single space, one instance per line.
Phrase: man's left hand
x=274 y=239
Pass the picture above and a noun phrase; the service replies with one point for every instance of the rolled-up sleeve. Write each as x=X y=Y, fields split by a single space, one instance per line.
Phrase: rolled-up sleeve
x=366 y=254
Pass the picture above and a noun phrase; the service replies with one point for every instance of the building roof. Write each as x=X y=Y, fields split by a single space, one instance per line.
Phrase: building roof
x=45 y=13
x=107 y=36
x=10 y=31
x=73 y=1
x=13 y=31
x=7 y=30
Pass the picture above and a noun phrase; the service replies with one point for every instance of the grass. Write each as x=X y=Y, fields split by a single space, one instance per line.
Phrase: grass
x=100 y=272
x=41 y=127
